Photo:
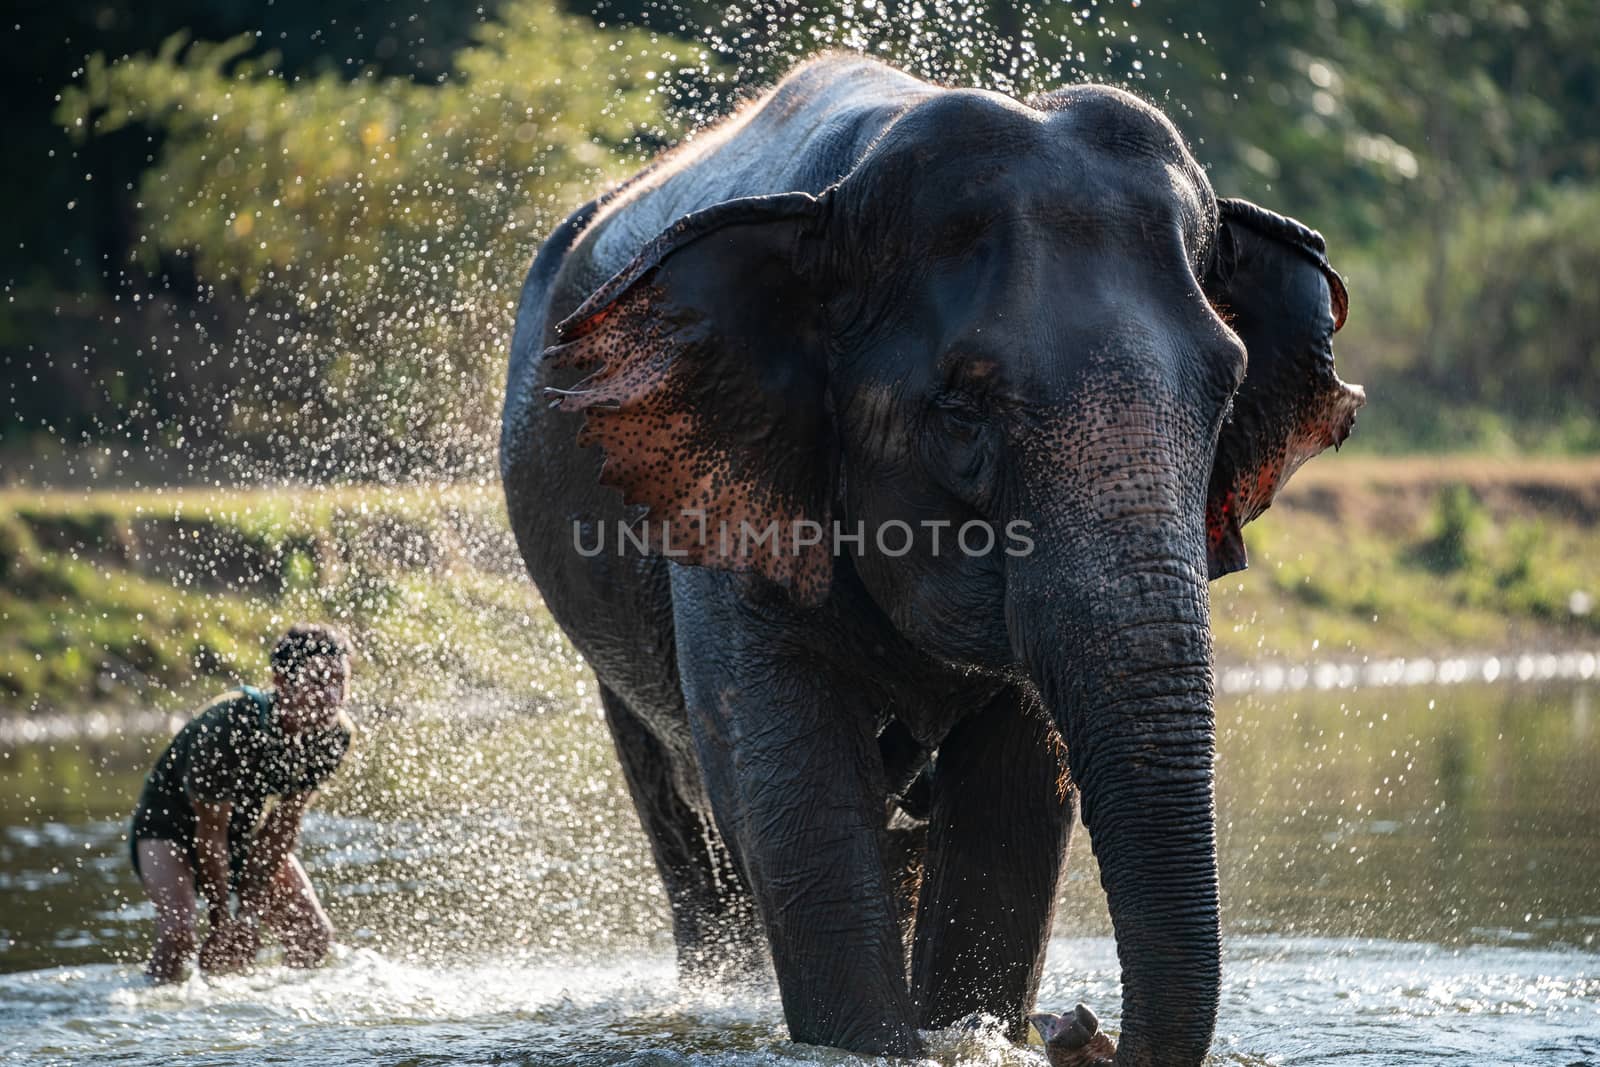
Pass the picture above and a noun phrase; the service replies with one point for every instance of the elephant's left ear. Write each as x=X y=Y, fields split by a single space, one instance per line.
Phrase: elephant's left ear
x=1271 y=281
x=707 y=389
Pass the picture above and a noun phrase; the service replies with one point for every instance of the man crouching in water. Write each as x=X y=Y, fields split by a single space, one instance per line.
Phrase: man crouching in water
x=204 y=822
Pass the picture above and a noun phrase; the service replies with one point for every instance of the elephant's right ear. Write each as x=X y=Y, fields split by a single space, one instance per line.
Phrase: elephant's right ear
x=708 y=389
x=1271 y=281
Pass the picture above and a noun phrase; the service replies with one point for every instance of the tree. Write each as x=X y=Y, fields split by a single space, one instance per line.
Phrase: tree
x=379 y=226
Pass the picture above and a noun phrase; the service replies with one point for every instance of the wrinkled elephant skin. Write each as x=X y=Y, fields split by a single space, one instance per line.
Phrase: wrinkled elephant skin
x=875 y=448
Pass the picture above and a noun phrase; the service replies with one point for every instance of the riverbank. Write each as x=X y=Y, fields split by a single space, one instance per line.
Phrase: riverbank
x=152 y=596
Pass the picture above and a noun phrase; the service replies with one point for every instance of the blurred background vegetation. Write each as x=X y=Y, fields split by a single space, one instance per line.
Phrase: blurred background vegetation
x=281 y=246
x=289 y=238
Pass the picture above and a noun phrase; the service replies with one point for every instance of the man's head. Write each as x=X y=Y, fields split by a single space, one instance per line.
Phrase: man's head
x=311 y=670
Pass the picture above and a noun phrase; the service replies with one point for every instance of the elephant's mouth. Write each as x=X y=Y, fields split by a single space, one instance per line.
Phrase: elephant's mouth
x=1244 y=487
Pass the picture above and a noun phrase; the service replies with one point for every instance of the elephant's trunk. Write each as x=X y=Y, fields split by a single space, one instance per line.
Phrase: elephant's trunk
x=1119 y=645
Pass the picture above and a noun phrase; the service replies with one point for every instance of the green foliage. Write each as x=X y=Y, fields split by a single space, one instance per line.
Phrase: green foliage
x=382 y=225
x=18 y=550
x=1506 y=360
x=75 y=627
x=1478 y=564
x=1458 y=522
x=429 y=584
x=196 y=586
x=1513 y=275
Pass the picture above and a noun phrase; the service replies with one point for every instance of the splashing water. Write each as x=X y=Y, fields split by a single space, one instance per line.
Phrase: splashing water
x=1402 y=885
x=351 y=255
x=1390 y=1004
x=327 y=271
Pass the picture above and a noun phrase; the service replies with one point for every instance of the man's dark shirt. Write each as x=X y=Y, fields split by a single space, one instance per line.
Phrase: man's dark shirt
x=234 y=752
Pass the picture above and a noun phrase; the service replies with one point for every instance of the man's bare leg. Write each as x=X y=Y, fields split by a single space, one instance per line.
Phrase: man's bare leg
x=295 y=915
x=164 y=870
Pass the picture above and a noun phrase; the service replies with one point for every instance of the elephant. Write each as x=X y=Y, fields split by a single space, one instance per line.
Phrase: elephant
x=867 y=303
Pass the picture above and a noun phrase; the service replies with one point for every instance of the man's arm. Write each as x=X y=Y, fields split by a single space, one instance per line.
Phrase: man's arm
x=231 y=943
x=277 y=838
x=211 y=849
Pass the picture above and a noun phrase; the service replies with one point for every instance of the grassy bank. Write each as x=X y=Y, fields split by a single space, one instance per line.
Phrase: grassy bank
x=1392 y=557
x=157 y=596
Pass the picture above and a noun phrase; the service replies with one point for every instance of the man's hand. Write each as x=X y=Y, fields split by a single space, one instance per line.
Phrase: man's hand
x=271 y=846
x=230 y=947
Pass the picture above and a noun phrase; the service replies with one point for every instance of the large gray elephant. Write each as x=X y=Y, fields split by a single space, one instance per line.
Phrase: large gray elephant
x=882 y=319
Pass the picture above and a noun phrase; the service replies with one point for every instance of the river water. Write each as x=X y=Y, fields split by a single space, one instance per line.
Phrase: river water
x=1410 y=876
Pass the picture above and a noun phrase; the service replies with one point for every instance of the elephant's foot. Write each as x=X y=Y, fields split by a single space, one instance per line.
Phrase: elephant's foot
x=1074 y=1040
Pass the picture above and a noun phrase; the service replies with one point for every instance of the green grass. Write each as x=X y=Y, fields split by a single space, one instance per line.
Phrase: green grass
x=159 y=596
x=146 y=597
x=1397 y=558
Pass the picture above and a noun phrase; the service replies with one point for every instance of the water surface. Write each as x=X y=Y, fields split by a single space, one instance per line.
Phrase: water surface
x=1410 y=876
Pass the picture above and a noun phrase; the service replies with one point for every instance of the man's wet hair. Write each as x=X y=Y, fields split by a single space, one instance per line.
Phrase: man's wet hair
x=306 y=641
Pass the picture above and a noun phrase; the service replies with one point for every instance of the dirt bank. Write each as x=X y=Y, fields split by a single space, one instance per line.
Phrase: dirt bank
x=112 y=597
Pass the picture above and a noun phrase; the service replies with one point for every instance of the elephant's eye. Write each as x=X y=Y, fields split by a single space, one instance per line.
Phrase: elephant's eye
x=960 y=413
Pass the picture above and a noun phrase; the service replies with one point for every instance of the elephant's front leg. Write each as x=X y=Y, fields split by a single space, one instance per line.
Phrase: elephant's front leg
x=997 y=840
x=793 y=774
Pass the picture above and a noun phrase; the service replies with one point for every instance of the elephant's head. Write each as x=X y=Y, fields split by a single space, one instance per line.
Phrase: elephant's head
x=1032 y=317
